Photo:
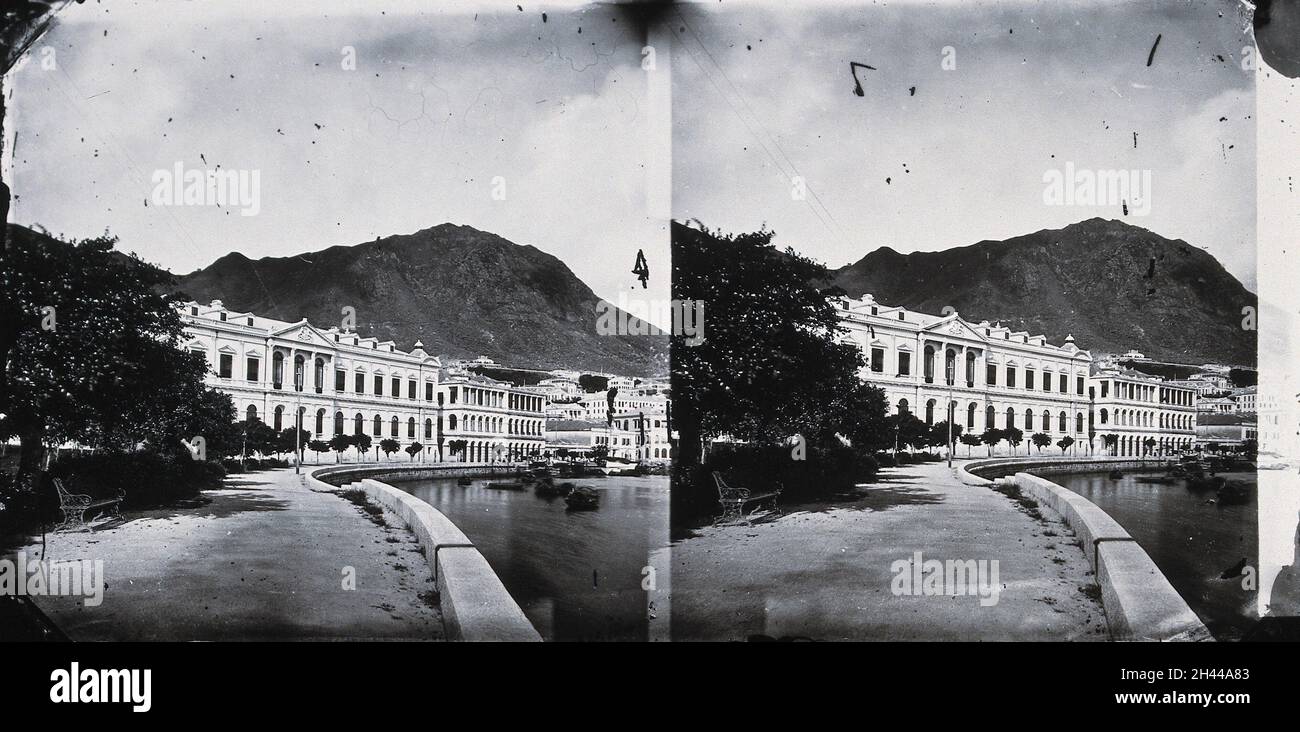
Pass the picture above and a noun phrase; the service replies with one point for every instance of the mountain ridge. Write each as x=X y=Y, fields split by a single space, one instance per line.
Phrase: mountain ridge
x=1112 y=285
x=462 y=291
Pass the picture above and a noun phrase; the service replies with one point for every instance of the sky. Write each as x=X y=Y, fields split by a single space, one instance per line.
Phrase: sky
x=534 y=129
x=763 y=94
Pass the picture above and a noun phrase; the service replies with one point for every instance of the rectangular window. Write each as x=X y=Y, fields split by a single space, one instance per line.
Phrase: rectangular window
x=252 y=368
x=397 y=387
x=1064 y=383
x=1047 y=382
x=904 y=363
x=1029 y=379
x=227 y=364
x=1078 y=383
x=1105 y=389
x=991 y=375
x=1011 y=377
x=340 y=380
x=410 y=391
x=428 y=391
x=878 y=360
x=379 y=385
x=360 y=383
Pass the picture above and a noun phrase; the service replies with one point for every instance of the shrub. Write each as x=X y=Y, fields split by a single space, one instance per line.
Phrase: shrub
x=885 y=460
x=145 y=478
x=826 y=472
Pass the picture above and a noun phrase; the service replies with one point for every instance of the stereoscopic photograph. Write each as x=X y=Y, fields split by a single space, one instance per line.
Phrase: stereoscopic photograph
x=647 y=322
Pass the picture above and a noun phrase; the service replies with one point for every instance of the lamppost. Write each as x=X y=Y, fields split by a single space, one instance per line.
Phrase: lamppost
x=297 y=428
x=952 y=411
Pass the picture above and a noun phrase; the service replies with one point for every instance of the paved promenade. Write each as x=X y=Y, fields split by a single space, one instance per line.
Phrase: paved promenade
x=823 y=571
x=263 y=561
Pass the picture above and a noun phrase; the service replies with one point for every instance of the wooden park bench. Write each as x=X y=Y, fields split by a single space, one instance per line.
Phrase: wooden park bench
x=733 y=500
x=75 y=505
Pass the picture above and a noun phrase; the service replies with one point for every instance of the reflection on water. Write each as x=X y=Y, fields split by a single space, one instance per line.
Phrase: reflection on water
x=1191 y=540
x=577 y=575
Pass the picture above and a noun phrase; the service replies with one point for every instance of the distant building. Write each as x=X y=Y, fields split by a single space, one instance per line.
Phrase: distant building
x=1136 y=407
x=1216 y=405
x=1245 y=400
x=1135 y=356
x=1227 y=430
x=500 y=422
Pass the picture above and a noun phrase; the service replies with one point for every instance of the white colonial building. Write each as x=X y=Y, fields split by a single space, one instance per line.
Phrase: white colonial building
x=338 y=381
x=984 y=374
x=1137 y=407
x=498 y=421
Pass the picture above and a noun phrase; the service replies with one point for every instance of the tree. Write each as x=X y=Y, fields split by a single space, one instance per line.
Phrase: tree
x=256 y=437
x=288 y=441
x=414 y=449
x=769 y=364
x=991 y=437
x=970 y=441
x=1064 y=443
x=910 y=430
x=361 y=441
x=1040 y=441
x=1111 y=441
x=91 y=352
x=1014 y=437
x=339 y=444
x=938 y=434
x=458 y=447
x=389 y=446
x=1148 y=445
x=592 y=383
x=600 y=452
x=319 y=446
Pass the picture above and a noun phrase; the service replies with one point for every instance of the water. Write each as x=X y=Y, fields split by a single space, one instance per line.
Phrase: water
x=577 y=575
x=1192 y=542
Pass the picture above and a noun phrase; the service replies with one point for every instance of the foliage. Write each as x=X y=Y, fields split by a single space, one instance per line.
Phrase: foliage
x=1040 y=440
x=592 y=383
x=1064 y=443
x=389 y=446
x=414 y=449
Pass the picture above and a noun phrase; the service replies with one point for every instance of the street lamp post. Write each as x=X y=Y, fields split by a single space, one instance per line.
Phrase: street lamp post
x=297 y=428
x=952 y=411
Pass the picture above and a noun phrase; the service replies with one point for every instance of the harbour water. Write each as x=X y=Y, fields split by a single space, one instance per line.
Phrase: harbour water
x=1190 y=538
x=576 y=574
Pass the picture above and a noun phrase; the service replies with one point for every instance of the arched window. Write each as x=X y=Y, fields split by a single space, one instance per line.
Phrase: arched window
x=970 y=369
x=358 y=424
x=277 y=369
x=338 y=423
x=990 y=417
x=377 y=425
x=410 y=427
x=1029 y=419
x=451 y=423
x=929 y=412
x=392 y=426
x=1011 y=418
x=950 y=366
x=318 y=375
x=1078 y=422
x=320 y=421
x=970 y=417
x=279 y=417
x=298 y=374
x=928 y=364
x=250 y=414
x=902 y=406
x=428 y=429
x=1103 y=416
x=1062 y=420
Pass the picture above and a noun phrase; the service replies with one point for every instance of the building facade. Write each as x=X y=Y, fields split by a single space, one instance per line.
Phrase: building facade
x=1136 y=407
x=984 y=375
x=339 y=382
x=498 y=421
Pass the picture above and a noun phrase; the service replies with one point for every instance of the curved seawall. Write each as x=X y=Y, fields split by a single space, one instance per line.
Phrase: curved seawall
x=475 y=604
x=1140 y=602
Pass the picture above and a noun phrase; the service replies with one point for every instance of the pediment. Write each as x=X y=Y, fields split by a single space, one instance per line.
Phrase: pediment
x=306 y=334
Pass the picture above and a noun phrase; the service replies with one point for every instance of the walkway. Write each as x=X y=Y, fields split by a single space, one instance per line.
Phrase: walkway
x=823 y=571
x=264 y=560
